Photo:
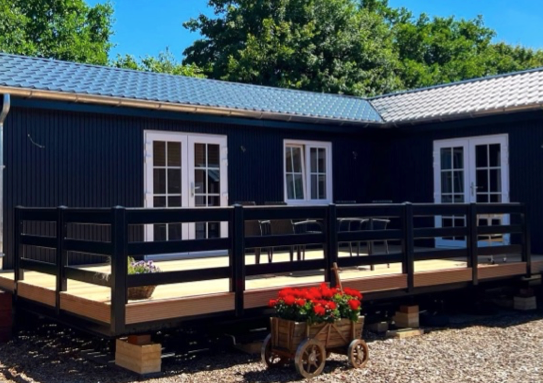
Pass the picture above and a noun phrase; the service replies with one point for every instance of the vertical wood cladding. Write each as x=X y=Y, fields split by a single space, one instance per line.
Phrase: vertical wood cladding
x=85 y=159
x=409 y=160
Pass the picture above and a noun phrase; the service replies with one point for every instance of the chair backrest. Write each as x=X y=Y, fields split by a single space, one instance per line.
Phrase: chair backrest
x=380 y=223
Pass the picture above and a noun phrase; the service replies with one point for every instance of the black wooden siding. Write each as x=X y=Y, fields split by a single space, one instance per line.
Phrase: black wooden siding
x=409 y=161
x=85 y=159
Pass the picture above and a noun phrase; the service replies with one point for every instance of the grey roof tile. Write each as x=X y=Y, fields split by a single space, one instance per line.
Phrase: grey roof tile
x=60 y=76
x=458 y=99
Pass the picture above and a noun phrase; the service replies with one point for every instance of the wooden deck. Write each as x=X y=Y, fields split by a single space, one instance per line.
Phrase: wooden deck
x=205 y=297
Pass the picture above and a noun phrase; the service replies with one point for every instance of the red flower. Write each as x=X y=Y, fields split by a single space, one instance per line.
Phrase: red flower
x=272 y=302
x=285 y=292
x=353 y=293
x=354 y=304
x=300 y=302
x=331 y=305
x=289 y=300
x=319 y=310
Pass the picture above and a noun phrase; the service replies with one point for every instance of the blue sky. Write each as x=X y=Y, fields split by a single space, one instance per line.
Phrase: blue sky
x=144 y=27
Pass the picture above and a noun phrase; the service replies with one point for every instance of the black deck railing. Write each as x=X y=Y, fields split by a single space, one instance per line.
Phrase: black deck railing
x=410 y=224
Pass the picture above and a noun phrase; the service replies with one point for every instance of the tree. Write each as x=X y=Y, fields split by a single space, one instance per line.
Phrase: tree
x=320 y=45
x=444 y=49
x=62 y=29
x=164 y=63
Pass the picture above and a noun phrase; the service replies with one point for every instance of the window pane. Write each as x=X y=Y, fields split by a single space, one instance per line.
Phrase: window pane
x=159 y=153
x=213 y=230
x=174 y=181
x=446 y=184
x=174 y=154
x=483 y=198
x=482 y=180
x=314 y=186
x=299 y=186
x=288 y=159
x=200 y=230
x=213 y=201
x=495 y=198
x=495 y=180
x=200 y=201
x=200 y=181
x=159 y=202
x=322 y=187
x=199 y=155
x=213 y=156
x=458 y=181
x=481 y=156
x=495 y=155
x=313 y=153
x=159 y=181
x=297 y=159
x=446 y=198
x=159 y=232
x=290 y=186
x=446 y=161
x=174 y=231
x=213 y=181
x=322 y=160
x=174 y=201
x=458 y=158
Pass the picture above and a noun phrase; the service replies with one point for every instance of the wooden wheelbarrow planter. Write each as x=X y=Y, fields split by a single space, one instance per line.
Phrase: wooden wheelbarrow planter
x=310 y=345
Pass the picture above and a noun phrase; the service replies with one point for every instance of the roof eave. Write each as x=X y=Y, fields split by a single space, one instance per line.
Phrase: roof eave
x=179 y=107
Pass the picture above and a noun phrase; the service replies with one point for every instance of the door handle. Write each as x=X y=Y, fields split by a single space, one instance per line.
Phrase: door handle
x=193 y=189
x=473 y=188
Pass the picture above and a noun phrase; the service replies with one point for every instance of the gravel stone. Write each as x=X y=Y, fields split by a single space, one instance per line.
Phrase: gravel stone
x=506 y=347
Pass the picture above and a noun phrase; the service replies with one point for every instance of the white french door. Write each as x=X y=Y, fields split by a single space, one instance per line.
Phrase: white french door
x=471 y=169
x=185 y=170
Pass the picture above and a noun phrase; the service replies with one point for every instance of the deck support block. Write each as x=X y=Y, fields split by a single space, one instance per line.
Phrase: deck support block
x=142 y=359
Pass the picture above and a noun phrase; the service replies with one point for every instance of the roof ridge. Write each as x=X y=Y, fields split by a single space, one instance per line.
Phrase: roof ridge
x=169 y=75
x=473 y=80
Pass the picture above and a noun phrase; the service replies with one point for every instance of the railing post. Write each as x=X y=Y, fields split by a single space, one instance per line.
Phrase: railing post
x=471 y=242
x=119 y=269
x=408 y=246
x=526 y=241
x=331 y=248
x=17 y=248
x=61 y=256
x=237 y=258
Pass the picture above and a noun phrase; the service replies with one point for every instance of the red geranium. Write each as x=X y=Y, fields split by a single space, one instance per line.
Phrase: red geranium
x=354 y=304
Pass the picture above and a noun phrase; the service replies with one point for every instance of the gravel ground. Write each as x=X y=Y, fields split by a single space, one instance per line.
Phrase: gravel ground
x=507 y=347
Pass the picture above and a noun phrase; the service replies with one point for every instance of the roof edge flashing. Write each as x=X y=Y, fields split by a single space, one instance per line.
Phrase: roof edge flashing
x=187 y=108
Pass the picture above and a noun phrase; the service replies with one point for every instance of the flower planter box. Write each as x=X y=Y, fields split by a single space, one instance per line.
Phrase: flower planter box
x=309 y=345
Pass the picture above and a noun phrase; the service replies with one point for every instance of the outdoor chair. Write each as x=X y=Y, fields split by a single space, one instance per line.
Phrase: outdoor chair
x=255 y=228
x=280 y=227
x=349 y=224
x=377 y=224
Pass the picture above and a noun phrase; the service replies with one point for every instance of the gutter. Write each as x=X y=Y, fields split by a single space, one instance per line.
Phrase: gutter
x=3 y=114
x=177 y=107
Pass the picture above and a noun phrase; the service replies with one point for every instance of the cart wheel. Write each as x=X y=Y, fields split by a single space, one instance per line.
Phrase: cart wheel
x=358 y=353
x=270 y=358
x=310 y=358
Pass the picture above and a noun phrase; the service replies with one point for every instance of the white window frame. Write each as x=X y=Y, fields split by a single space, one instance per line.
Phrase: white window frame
x=306 y=147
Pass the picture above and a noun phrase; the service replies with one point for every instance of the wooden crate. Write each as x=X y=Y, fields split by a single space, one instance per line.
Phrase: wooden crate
x=287 y=334
x=406 y=320
x=525 y=303
x=140 y=358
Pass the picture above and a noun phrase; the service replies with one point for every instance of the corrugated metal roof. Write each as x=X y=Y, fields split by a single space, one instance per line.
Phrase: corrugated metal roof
x=520 y=90
x=73 y=78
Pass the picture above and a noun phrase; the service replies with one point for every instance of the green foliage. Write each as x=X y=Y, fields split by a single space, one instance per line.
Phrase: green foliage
x=321 y=45
x=63 y=29
x=164 y=63
x=360 y=47
x=141 y=267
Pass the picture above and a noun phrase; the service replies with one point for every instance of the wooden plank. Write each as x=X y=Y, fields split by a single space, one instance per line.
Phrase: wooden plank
x=36 y=293
x=7 y=284
x=85 y=307
x=378 y=283
x=502 y=270
x=178 y=308
x=442 y=277
x=537 y=267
